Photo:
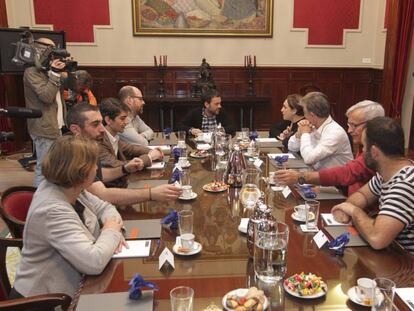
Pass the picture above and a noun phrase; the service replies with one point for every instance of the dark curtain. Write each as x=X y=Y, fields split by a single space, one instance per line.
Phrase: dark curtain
x=404 y=39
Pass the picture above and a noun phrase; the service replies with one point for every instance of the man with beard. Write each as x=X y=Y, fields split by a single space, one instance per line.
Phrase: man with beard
x=86 y=120
x=392 y=187
x=353 y=174
x=136 y=132
x=208 y=117
x=114 y=152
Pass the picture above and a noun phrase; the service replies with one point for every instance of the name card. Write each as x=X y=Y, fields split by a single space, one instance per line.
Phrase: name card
x=320 y=239
x=166 y=257
x=286 y=191
x=258 y=163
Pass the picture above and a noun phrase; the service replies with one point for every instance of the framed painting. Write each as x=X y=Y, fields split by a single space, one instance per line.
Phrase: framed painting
x=223 y=18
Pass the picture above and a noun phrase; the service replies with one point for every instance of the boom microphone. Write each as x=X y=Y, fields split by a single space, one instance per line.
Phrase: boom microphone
x=21 y=112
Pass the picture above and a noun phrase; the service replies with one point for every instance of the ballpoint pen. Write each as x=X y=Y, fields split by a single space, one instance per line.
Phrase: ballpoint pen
x=157 y=245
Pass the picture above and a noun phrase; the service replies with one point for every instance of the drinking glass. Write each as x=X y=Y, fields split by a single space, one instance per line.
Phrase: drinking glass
x=220 y=172
x=185 y=221
x=182 y=298
x=312 y=214
x=270 y=250
x=384 y=295
x=244 y=136
x=181 y=135
x=250 y=192
x=185 y=177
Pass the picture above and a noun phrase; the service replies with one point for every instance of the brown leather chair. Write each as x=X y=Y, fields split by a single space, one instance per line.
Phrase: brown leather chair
x=39 y=302
x=15 y=203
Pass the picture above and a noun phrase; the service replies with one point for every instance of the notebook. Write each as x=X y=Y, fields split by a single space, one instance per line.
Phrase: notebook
x=355 y=238
x=137 y=248
x=142 y=229
x=116 y=301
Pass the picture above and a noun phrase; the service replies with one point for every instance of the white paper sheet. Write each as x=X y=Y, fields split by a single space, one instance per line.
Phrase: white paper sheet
x=137 y=248
x=407 y=295
x=156 y=166
x=330 y=220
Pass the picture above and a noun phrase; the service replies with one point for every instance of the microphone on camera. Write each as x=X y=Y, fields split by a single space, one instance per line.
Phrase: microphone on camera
x=21 y=112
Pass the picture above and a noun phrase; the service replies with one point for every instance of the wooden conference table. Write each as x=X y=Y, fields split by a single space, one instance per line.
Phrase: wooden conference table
x=224 y=264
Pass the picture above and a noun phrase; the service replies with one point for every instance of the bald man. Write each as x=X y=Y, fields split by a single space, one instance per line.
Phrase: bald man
x=136 y=132
x=42 y=91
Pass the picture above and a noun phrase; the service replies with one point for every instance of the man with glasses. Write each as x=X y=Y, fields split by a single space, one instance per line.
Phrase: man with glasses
x=355 y=173
x=136 y=132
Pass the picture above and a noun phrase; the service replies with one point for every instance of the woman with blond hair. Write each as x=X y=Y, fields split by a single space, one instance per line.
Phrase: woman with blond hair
x=63 y=238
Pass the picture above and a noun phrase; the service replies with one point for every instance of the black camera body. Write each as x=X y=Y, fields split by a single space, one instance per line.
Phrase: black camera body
x=26 y=54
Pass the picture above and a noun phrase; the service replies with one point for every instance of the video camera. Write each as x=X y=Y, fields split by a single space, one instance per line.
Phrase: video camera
x=30 y=52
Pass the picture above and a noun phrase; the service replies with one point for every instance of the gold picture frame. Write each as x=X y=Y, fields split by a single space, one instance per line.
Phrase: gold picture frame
x=220 y=18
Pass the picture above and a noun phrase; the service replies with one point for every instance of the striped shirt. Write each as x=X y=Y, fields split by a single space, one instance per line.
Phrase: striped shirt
x=396 y=199
x=208 y=124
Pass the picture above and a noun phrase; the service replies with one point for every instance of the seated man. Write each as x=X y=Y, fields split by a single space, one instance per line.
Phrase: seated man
x=321 y=141
x=114 y=152
x=86 y=120
x=136 y=132
x=392 y=187
x=353 y=174
x=208 y=117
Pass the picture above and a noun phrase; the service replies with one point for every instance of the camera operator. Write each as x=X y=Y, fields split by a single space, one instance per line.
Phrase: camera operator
x=43 y=91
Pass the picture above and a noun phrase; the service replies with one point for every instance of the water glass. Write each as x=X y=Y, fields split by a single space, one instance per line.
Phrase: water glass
x=270 y=251
x=182 y=298
x=185 y=221
x=384 y=295
x=181 y=135
x=244 y=136
x=220 y=172
x=185 y=177
x=312 y=214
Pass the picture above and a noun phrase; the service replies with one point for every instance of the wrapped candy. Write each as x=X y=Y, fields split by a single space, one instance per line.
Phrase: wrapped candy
x=167 y=132
x=171 y=219
x=281 y=159
x=136 y=284
x=338 y=244
x=308 y=192
x=176 y=175
x=253 y=135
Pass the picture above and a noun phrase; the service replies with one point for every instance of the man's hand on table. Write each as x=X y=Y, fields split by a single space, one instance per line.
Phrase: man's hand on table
x=136 y=164
x=343 y=212
x=156 y=154
x=287 y=177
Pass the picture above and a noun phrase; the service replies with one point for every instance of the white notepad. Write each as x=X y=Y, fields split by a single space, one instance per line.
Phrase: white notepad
x=163 y=148
x=156 y=166
x=267 y=140
x=407 y=295
x=330 y=220
x=137 y=248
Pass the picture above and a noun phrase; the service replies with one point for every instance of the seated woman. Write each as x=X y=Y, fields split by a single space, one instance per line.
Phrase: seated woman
x=62 y=238
x=292 y=113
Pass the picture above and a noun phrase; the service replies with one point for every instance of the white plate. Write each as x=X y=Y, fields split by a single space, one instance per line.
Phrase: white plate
x=206 y=188
x=352 y=295
x=240 y=292
x=197 y=156
x=296 y=217
x=197 y=247
x=193 y=196
x=186 y=166
x=321 y=294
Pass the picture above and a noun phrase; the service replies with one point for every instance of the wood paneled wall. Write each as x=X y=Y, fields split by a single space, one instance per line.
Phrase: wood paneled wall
x=344 y=86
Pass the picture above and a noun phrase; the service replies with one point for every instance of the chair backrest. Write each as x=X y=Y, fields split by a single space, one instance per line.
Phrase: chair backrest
x=15 y=203
x=39 y=302
x=4 y=278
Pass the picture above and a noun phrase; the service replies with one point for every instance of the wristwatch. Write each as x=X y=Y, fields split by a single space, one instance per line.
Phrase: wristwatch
x=301 y=179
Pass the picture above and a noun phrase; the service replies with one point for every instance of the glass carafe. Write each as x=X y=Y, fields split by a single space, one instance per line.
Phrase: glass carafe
x=237 y=164
x=250 y=192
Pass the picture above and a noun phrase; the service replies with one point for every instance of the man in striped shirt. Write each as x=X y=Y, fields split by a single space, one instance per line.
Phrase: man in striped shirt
x=392 y=187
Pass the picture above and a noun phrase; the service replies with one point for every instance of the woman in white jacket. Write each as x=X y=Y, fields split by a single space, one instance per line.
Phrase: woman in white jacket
x=63 y=238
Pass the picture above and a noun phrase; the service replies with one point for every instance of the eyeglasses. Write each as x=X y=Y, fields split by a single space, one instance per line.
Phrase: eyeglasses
x=354 y=126
x=139 y=97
